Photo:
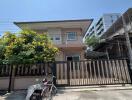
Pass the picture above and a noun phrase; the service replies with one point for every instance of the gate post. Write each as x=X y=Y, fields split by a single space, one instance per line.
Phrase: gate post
x=11 y=78
x=68 y=73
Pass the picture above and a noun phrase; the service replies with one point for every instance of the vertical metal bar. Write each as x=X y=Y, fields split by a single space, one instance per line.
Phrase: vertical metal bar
x=91 y=76
x=98 y=69
x=41 y=69
x=2 y=70
x=118 y=76
x=110 y=71
x=74 y=74
x=94 y=70
x=63 y=68
x=82 y=72
x=115 y=71
x=118 y=69
x=57 y=74
x=107 y=75
x=38 y=66
x=19 y=70
x=26 y=69
x=29 y=69
x=44 y=68
x=65 y=65
x=103 y=76
x=70 y=73
x=61 y=73
x=122 y=71
x=22 y=70
x=85 y=78
x=86 y=71
x=127 y=72
x=78 y=65
x=6 y=70
x=88 y=67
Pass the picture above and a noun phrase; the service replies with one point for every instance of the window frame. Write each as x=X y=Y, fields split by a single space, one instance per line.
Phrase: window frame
x=73 y=57
x=71 y=39
x=57 y=38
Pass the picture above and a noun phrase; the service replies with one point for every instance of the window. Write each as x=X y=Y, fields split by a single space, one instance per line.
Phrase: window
x=71 y=36
x=73 y=58
x=57 y=38
x=74 y=61
x=101 y=19
x=51 y=38
x=112 y=20
x=100 y=32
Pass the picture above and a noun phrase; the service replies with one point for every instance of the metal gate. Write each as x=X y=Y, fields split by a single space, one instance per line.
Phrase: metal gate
x=92 y=72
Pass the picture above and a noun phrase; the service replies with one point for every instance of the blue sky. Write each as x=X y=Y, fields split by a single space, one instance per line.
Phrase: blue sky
x=41 y=10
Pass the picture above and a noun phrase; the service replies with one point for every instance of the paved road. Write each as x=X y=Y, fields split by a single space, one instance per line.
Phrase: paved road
x=96 y=95
x=83 y=95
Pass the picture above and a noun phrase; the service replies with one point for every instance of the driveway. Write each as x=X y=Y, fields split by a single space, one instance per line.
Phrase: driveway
x=83 y=95
x=96 y=95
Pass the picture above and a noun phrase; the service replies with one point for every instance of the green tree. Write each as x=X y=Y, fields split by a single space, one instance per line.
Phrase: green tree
x=27 y=47
x=92 y=41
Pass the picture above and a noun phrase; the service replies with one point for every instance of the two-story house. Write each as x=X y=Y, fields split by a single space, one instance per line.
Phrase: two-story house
x=67 y=35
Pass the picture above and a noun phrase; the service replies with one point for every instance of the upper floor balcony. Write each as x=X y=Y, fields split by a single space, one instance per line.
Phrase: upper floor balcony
x=63 y=41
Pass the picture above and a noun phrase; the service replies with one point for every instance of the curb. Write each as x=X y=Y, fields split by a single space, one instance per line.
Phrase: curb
x=96 y=88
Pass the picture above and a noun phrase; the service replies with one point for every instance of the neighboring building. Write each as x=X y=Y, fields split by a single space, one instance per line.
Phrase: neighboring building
x=114 y=39
x=103 y=24
x=67 y=35
x=92 y=31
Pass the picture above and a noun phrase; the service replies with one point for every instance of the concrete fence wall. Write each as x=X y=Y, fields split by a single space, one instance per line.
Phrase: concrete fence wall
x=20 y=82
x=4 y=83
x=22 y=75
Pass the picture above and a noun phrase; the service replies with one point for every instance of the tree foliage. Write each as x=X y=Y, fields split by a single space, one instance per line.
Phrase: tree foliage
x=26 y=46
x=92 y=41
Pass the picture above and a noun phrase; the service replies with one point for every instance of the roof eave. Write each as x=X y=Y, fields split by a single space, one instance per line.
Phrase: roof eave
x=58 y=21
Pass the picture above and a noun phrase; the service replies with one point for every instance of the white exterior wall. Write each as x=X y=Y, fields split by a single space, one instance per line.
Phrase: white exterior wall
x=107 y=21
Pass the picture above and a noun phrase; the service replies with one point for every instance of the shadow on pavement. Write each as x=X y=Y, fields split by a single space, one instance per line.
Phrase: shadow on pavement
x=16 y=95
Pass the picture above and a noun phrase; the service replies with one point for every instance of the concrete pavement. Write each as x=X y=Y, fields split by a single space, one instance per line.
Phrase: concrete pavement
x=82 y=93
x=96 y=95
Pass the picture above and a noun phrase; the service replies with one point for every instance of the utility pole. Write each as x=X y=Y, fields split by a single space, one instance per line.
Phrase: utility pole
x=127 y=40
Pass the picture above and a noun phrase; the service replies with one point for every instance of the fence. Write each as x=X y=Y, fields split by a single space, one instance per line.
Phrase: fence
x=26 y=69
x=23 y=75
x=92 y=72
x=88 y=72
